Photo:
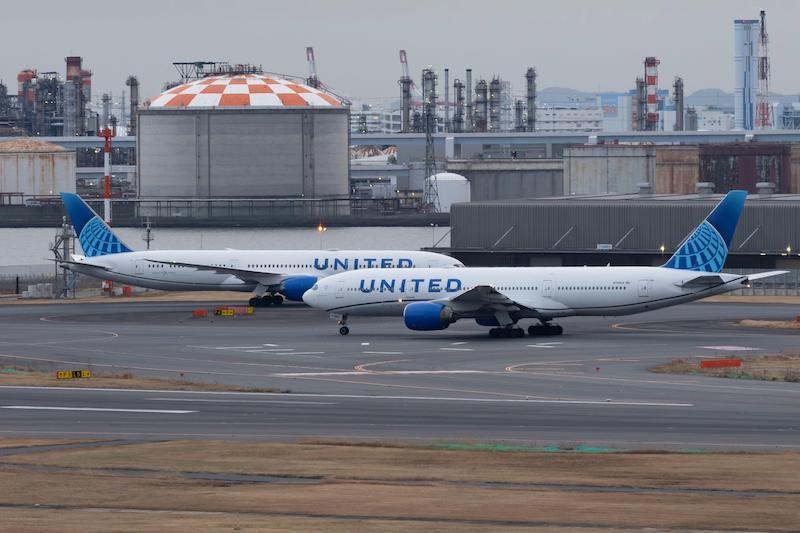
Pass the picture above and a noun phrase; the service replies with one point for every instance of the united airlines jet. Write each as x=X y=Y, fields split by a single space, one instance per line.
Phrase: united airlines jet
x=271 y=275
x=433 y=298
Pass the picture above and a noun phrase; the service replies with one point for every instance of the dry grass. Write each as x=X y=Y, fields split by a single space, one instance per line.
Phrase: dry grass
x=779 y=367
x=37 y=378
x=367 y=488
x=770 y=324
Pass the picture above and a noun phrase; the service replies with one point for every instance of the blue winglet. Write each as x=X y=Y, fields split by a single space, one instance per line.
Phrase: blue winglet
x=706 y=248
x=95 y=236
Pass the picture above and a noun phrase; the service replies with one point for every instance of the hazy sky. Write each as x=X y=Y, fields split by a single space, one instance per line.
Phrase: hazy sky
x=583 y=44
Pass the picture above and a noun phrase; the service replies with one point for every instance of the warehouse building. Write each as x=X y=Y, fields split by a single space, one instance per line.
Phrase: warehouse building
x=634 y=229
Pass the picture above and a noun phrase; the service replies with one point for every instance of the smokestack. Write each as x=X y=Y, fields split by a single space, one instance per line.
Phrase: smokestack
x=494 y=105
x=678 y=86
x=519 y=124
x=405 y=94
x=530 y=78
x=458 y=116
x=447 y=100
x=133 y=83
x=468 y=126
x=651 y=80
x=641 y=102
x=481 y=112
x=106 y=99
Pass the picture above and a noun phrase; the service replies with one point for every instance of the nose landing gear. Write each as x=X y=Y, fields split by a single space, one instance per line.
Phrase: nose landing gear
x=342 y=321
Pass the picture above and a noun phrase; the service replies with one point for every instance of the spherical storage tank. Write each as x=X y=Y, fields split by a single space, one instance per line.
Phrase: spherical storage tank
x=451 y=188
x=243 y=136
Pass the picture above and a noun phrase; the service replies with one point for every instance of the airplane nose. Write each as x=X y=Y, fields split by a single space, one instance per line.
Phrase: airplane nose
x=310 y=297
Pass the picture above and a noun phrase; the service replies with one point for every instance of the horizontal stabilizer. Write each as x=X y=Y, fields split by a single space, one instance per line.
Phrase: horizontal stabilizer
x=762 y=275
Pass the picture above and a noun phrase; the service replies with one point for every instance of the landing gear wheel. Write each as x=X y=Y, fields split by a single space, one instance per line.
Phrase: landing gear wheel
x=344 y=330
x=494 y=333
x=533 y=331
x=254 y=302
x=517 y=333
x=277 y=299
x=556 y=330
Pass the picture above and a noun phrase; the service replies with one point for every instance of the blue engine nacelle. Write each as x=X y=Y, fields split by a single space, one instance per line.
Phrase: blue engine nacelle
x=294 y=287
x=427 y=316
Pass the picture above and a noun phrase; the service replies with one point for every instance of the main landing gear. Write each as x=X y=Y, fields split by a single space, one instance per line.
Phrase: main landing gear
x=545 y=330
x=506 y=333
x=266 y=300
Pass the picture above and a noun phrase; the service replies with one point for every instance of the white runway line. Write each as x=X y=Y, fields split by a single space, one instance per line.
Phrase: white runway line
x=384 y=353
x=352 y=396
x=214 y=400
x=458 y=349
x=98 y=409
x=731 y=348
x=458 y=343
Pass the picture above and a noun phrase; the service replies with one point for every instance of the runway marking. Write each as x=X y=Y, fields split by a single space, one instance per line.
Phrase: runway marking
x=270 y=350
x=379 y=373
x=731 y=348
x=384 y=353
x=97 y=409
x=214 y=400
x=569 y=401
x=458 y=349
x=544 y=345
x=458 y=343
x=364 y=344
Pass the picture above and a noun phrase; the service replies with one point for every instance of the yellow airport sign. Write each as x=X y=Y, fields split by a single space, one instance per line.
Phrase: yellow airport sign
x=73 y=374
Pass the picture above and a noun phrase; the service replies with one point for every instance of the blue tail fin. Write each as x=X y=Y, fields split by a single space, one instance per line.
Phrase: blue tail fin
x=95 y=236
x=706 y=248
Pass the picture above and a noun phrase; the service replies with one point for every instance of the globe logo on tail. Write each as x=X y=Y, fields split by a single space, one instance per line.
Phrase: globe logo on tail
x=704 y=251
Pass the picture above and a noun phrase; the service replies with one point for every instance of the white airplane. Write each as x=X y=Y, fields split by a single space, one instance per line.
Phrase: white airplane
x=432 y=298
x=271 y=274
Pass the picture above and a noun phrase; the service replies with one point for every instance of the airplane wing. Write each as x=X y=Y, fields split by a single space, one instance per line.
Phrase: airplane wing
x=264 y=278
x=701 y=281
x=483 y=298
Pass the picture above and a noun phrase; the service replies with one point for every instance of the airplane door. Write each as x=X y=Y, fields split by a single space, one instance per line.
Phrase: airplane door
x=547 y=288
x=339 y=289
x=644 y=291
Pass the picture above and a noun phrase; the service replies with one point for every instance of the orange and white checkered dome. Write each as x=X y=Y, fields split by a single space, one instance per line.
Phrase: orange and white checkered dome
x=243 y=90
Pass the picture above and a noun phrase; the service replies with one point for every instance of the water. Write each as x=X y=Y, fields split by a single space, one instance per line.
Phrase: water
x=30 y=246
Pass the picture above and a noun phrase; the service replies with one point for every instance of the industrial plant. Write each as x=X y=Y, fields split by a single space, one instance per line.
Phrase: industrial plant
x=237 y=144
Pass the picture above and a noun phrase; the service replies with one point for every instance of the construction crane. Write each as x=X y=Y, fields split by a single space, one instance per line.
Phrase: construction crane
x=313 y=79
x=763 y=108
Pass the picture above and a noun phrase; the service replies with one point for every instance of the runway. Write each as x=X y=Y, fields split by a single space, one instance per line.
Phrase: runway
x=589 y=386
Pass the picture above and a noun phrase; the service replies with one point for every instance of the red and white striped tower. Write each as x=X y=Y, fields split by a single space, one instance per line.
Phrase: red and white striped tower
x=107 y=134
x=651 y=82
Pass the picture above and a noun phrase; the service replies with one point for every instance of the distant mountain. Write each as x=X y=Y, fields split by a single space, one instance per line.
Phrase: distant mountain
x=561 y=94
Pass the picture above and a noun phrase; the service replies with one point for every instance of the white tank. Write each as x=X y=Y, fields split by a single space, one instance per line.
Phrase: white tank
x=452 y=188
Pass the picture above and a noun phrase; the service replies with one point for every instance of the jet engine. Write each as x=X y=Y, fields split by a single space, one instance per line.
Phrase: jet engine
x=293 y=288
x=427 y=316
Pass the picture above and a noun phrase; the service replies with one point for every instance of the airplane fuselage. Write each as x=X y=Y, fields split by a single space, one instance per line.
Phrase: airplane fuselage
x=151 y=269
x=540 y=292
